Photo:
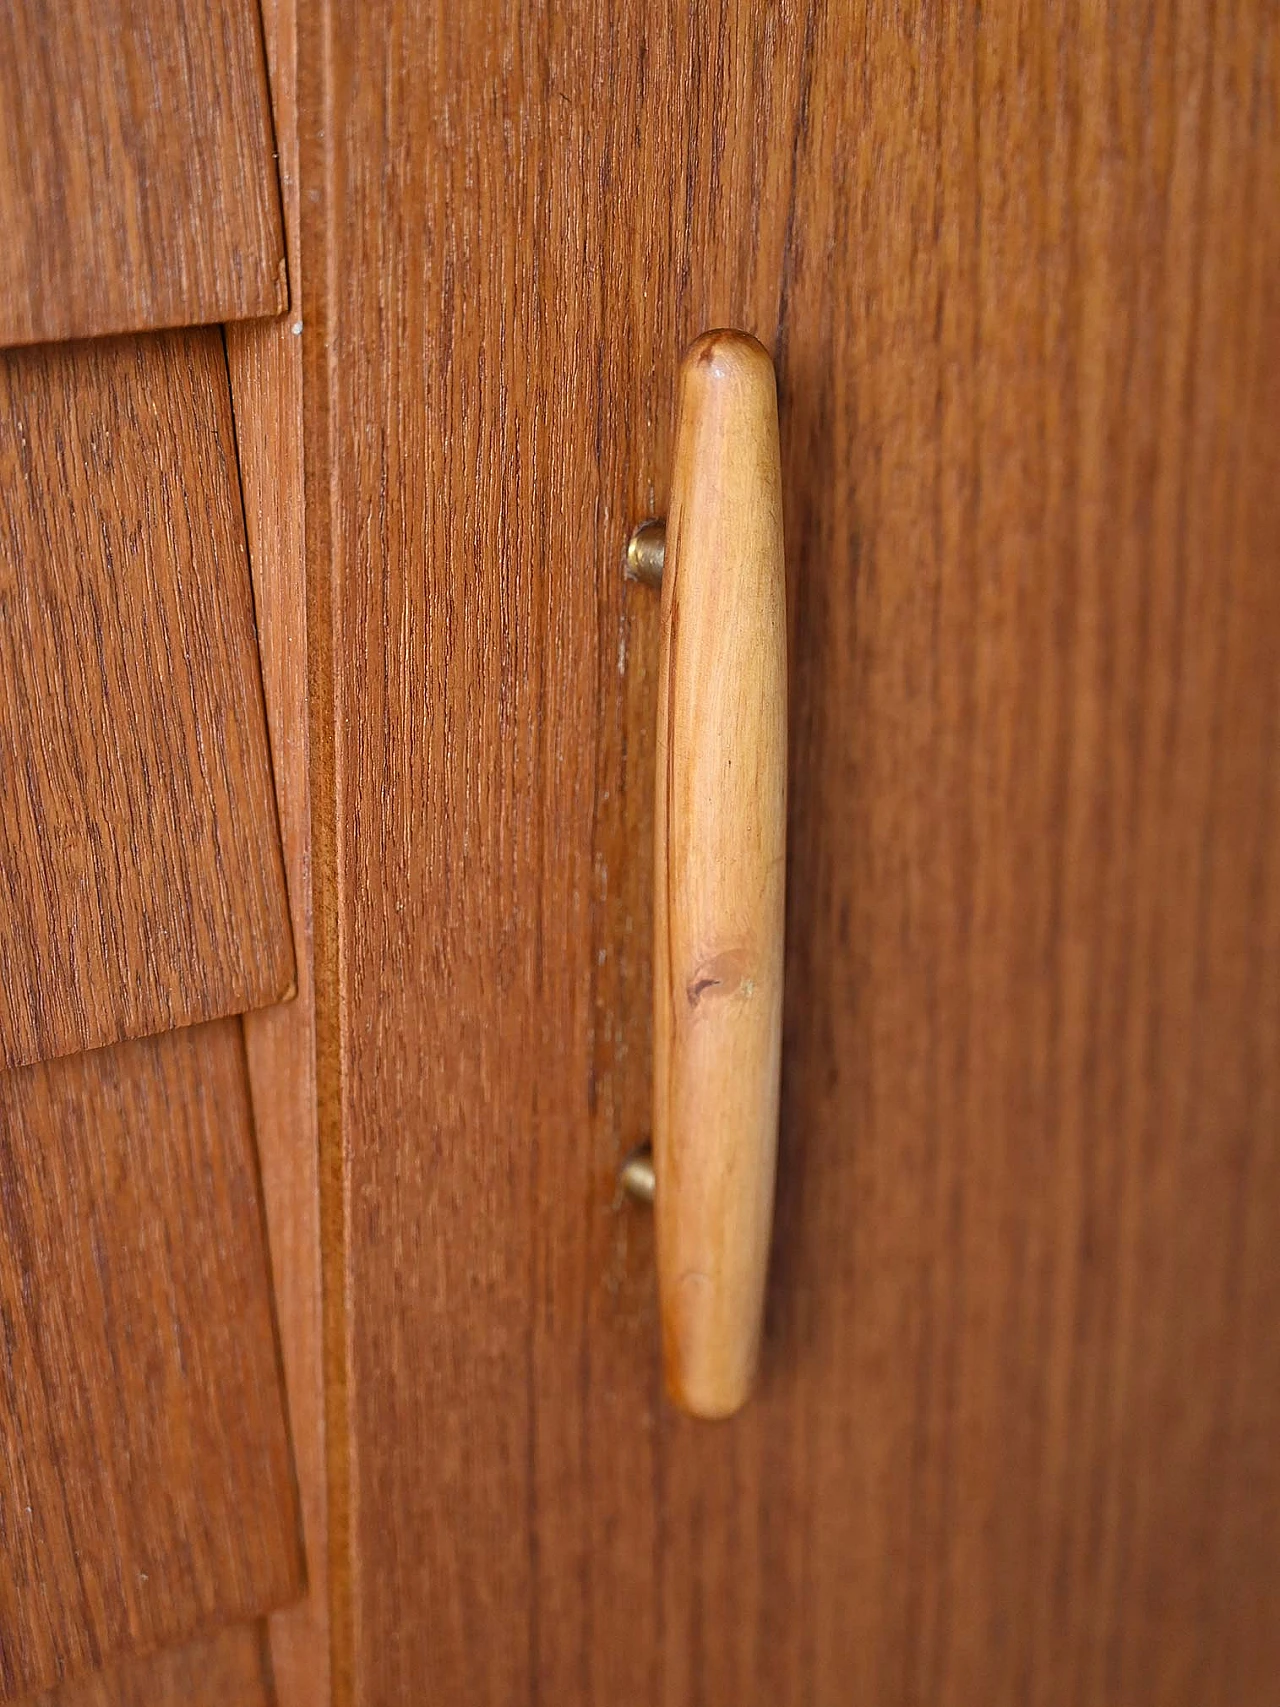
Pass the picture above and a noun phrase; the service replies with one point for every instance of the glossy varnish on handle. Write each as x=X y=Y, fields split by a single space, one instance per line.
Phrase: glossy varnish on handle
x=720 y=872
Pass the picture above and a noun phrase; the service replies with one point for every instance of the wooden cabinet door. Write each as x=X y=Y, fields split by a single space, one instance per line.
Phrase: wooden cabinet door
x=1015 y=1439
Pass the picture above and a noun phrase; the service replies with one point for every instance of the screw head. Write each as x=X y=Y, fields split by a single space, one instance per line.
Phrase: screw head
x=636 y=1176
x=645 y=552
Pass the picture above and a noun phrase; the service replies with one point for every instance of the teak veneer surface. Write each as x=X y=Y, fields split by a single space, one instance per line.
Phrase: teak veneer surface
x=141 y=884
x=146 y=1490
x=137 y=168
x=228 y=1668
x=1015 y=1438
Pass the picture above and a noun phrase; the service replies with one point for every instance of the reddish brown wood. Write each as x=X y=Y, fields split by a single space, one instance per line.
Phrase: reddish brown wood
x=1016 y=1436
x=265 y=361
x=493 y=941
x=148 y=1491
x=227 y=1669
x=140 y=873
x=137 y=178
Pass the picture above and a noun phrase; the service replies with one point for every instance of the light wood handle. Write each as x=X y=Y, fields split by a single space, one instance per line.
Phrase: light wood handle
x=720 y=857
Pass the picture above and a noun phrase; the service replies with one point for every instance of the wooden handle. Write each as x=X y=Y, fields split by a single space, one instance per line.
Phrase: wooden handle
x=720 y=852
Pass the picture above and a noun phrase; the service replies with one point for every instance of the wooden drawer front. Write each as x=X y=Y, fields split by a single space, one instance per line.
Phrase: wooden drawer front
x=146 y=1491
x=141 y=883
x=137 y=172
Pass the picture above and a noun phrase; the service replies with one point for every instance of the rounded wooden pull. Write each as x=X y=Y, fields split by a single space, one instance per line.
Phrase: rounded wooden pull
x=720 y=858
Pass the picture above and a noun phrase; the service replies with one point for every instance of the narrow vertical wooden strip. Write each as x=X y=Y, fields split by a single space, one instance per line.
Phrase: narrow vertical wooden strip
x=265 y=360
x=319 y=214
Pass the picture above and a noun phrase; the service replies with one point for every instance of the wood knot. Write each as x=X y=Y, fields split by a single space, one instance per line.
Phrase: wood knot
x=725 y=974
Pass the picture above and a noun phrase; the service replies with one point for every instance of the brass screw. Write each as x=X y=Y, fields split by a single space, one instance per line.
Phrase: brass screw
x=636 y=1176
x=645 y=551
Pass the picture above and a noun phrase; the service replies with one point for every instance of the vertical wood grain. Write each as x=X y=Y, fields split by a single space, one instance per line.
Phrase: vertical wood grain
x=147 y=1486
x=1015 y=1436
x=137 y=172
x=140 y=870
x=265 y=361
x=487 y=935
